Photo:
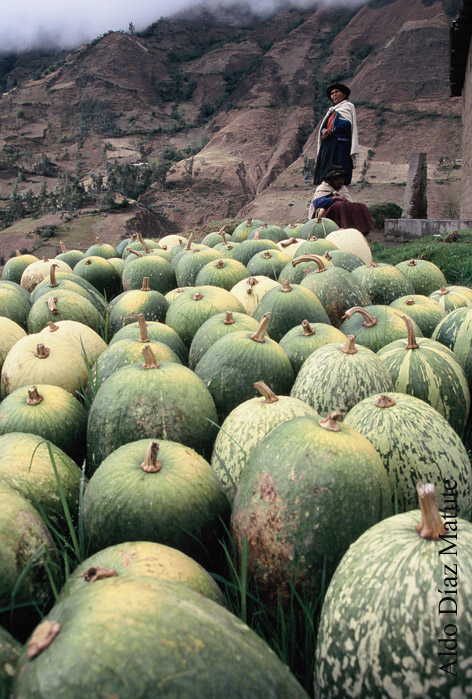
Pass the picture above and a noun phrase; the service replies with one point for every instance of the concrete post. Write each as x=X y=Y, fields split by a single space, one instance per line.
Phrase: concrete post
x=415 y=204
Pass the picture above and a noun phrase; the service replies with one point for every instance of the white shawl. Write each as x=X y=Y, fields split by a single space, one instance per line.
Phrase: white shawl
x=325 y=189
x=347 y=111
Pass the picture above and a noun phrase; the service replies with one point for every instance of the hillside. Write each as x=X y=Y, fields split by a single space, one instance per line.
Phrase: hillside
x=204 y=117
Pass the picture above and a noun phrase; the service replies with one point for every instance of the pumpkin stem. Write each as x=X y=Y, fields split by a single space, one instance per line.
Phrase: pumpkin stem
x=197 y=296
x=189 y=241
x=135 y=252
x=257 y=234
x=350 y=347
x=151 y=463
x=286 y=287
x=443 y=290
x=52 y=326
x=313 y=238
x=45 y=259
x=307 y=329
x=145 y=286
x=95 y=573
x=327 y=255
x=51 y=302
x=228 y=319
x=220 y=264
x=17 y=253
x=222 y=232
x=266 y=392
x=431 y=525
x=63 y=247
x=412 y=263
x=150 y=361
x=248 y=222
x=42 y=352
x=143 y=243
x=142 y=325
x=252 y=281
x=267 y=254
x=369 y=320
x=42 y=637
x=97 y=240
x=310 y=258
x=411 y=342
x=52 y=276
x=330 y=422
x=34 y=398
x=259 y=335
x=384 y=401
x=88 y=261
x=290 y=241
x=374 y=264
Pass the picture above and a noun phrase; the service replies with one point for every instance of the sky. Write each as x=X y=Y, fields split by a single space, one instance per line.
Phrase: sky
x=27 y=24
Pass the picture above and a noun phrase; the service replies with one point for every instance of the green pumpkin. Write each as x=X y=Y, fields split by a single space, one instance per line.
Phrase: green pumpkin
x=305 y=338
x=452 y=297
x=245 y=427
x=303 y=266
x=10 y=650
x=14 y=305
x=424 y=310
x=23 y=535
x=269 y=263
x=155 y=490
x=316 y=246
x=336 y=289
x=455 y=332
x=159 y=272
x=343 y=258
x=288 y=306
x=194 y=647
x=230 y=367
x=319 y=227
x=338 y=375
x=99 y=273
x=243 y=229
x=428 y=370
x=145 y=300
x=304 y=477
x=215 y=327
x=154 y=331
x=389 y=614
x=61 y=304
x=100 y=249
x=37 y=271
x=416 y=444
x=50 y=412
x=165 y=401
x=83 y=338
x=191 y=308
x=424 y=275
x=71 y=257
x=376 y=326
x=224 y=273
x=217 y=238
x=73 y=282
x=247 y=249
x=10 y=333
x=15 y=266
x=148 y=558
x=26 y=467
x=266 y=232
x=383 y=282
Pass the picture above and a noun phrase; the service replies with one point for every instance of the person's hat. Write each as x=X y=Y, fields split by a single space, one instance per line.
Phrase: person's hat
x=335 y=171
x=338 y=86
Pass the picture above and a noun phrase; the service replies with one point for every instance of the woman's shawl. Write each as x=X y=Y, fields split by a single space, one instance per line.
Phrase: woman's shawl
x=347 y=111
x=326 y=190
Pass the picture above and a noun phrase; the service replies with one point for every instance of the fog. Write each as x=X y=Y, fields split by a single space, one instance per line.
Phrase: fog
x=29 y=24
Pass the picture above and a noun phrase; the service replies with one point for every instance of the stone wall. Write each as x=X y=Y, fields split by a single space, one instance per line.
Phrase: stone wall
x=466 y=188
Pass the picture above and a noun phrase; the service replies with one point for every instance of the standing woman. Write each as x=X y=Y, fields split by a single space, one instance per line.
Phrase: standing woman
x=337 y=139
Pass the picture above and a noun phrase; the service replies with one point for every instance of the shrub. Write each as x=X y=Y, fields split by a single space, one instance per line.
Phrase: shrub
x=384 y=209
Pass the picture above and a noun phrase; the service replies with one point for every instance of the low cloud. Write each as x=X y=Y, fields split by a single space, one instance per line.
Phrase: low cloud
x=29 y=24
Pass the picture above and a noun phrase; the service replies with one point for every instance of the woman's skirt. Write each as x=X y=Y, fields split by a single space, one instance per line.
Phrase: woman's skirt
x=350 y=215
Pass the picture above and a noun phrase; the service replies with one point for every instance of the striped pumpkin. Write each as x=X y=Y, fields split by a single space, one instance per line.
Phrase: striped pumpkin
x=376 y=326
x=452 y=297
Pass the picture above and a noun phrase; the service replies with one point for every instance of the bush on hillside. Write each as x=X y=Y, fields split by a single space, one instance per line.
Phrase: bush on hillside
x=384 y=209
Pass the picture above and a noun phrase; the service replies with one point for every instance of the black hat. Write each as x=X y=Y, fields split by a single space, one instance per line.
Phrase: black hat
x=338 y=86
x=335 y=170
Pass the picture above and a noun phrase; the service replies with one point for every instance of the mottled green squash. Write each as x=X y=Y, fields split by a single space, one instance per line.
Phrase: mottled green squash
x=149 y=636
x=305 y=476
x=388 y=625
x=15 y=266
x=338 y=375
x=383 y=282
x=452 y=297
x=159 y=272
x=376 y=325
x=243 y=229
x=152 y=304
x=416 y=443
x=267 y=232
x=222 y=272
x=425 y=276
x=424 y=310
x=189 y=266
x=14 y=305
x=304 y=339
x=62 y=304
x=455 y=331
x=215 y=327
x=268 y=263
x=100 y=249
x=155 y=331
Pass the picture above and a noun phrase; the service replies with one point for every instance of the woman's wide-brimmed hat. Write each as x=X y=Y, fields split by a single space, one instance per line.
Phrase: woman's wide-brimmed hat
x=335 y=171
x=338 y=86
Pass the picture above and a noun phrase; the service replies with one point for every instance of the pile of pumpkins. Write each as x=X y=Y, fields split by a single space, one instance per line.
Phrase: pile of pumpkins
x=275 y=382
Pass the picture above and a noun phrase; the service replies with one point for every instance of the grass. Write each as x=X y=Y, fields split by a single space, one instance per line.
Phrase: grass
x=454 y=259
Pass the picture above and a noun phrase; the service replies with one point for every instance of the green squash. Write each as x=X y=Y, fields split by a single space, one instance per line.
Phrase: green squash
x=50 y=412
x=338 y=375
x=425 y=276
x=10 y=650
x=230 y=367
x=376 y=326
x=424 y=310
x=304 y=477
x=245 y=427
x=162 y=401
x=319 y=227
x=222 y=272
x=428 y=370
x=383 y=282
x=243 y=229
x=288 y=306
x=452 y=297
x=148 y=558
x=71 y=281
x=343 y=258
x=152 y=304
x=14 y=305
x=149 y=636
x=71 y=257
x=10 y=333
x=305 y=338
x=416 y=444
x=215 y=327
x=100 y=249
x=15 y=266
x=99 y=273
x=295 y=272
x=388 y=627
x=62 y=304
x=247 y=249
x=266 y=232
x=455 y=331
x=154 y=331
x=155 y=490
x=159 y=272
